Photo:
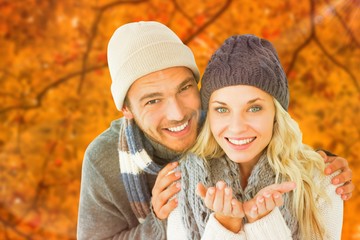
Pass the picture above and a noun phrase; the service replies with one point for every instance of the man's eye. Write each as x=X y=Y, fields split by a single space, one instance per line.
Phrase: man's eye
x=186 y=87
x=221 y=110
x=255 y=109
x=152 y=102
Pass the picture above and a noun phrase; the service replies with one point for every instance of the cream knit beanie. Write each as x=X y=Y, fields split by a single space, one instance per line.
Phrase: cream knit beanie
x=139 y=48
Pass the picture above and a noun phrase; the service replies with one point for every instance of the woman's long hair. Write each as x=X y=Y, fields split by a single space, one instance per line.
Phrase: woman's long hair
x=291 y=160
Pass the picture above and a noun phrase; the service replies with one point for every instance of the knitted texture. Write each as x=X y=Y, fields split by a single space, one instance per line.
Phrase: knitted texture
x=194 y=169
x=134 y=163
x=245 y=60
x=194 y=213
x=139 y=48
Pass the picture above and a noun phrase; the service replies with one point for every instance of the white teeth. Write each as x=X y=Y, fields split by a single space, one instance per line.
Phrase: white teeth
x=178 y=128
x=241 y=142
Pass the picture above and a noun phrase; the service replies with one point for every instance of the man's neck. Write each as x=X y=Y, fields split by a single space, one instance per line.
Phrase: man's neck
x=159 y=153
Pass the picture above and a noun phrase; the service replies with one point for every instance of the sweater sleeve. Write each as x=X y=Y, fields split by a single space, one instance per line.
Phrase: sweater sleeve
x=270 y=227
x=175 y=226
x=215 y=230
x=104 y=209
x=331 y=210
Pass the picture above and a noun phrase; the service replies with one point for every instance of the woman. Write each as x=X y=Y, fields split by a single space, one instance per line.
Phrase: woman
x=276 y=188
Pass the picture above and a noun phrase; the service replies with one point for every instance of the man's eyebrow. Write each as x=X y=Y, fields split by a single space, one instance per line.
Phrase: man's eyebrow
x=150 y=95
x=159 y=94
x=186 y=81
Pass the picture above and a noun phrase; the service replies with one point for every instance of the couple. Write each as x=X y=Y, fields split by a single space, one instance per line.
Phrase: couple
x=130 y=174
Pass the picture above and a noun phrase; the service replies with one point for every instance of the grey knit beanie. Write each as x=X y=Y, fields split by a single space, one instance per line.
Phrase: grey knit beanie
x=139 y=48
x=245 y=60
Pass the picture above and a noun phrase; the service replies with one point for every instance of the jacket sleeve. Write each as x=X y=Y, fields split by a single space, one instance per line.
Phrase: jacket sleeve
x=104 y=209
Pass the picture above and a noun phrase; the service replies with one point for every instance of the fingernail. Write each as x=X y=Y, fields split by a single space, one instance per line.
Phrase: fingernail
x=178 y=185
x=267 y=195
x=339 y=191
x=177 y=174
x=175 y=164
x=327 y=170
x=220 y=185
x=227 y=191
x=336 y=181
x=211 y=191
x=276 y=195
x=344 y=197
x=253 y=212
x=260 y=200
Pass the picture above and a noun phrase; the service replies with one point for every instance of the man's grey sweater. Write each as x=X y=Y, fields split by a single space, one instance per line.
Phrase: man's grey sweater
x=104 y=209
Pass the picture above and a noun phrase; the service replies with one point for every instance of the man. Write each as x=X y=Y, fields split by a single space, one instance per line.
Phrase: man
x=129 y=167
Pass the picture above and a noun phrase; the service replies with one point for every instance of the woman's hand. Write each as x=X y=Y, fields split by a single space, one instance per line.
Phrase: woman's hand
x=228 y=211
x=266 y=200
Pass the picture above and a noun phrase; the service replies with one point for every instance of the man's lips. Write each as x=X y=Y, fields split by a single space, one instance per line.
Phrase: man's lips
x=178 y=128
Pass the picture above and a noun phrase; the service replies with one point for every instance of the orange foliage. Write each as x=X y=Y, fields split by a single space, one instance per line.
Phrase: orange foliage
x=55 y=89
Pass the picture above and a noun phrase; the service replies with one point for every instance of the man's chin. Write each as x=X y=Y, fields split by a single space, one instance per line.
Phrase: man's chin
x=179 y=146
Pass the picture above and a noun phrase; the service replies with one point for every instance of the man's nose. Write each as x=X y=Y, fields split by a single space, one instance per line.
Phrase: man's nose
x=175 y=110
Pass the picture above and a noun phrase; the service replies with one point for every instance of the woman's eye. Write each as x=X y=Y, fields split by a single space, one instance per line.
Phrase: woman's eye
x=221 y=110
x=254 y=109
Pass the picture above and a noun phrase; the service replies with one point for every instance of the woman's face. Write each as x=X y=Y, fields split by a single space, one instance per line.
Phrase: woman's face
x=241 y=120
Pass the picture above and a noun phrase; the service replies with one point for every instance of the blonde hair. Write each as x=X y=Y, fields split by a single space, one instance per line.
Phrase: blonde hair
x=296 y=162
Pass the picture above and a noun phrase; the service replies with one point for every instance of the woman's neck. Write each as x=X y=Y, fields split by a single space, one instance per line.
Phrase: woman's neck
x=246 y=169
x=245 y=172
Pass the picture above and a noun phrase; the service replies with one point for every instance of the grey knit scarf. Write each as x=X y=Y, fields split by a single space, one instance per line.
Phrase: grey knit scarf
x=194 y=169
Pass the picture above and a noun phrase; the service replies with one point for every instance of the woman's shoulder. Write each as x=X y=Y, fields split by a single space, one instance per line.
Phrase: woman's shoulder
x=321 y=179
x=326 y=188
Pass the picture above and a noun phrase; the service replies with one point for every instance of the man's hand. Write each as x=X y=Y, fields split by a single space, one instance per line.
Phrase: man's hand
x=339 y=163
x=164 y=189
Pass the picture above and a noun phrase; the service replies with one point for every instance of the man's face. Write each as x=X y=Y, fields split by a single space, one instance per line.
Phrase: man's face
x=166 y=106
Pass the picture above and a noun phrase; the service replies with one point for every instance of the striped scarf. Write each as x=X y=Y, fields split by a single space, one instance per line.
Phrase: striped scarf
x=135 y=162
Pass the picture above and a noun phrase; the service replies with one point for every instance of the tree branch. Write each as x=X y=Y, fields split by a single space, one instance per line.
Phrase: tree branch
x=42 y=93
x=212 y=19
x=337 y=63
x=307 y=40
x=93 y=33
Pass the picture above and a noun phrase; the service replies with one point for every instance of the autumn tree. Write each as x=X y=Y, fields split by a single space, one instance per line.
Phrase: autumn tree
x=55 y=88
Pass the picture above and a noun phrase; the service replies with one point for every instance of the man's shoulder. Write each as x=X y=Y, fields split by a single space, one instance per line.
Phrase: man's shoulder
x=104 y=147
x=108 y=138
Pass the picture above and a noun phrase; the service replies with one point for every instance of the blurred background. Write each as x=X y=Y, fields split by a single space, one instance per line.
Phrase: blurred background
x=55 y=88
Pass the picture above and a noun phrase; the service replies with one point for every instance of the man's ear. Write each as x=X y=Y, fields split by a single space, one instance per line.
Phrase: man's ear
x=127 y=112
